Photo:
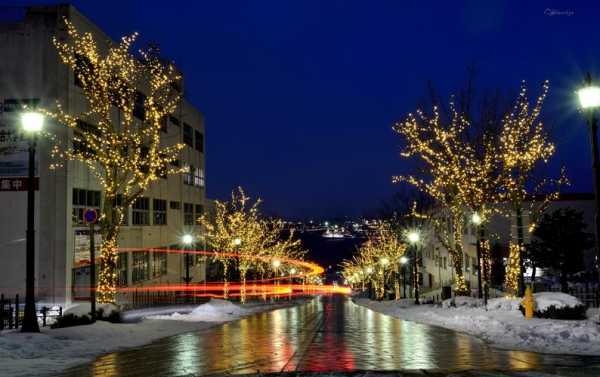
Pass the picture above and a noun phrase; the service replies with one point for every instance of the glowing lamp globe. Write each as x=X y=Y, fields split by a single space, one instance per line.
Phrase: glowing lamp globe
x=32 y=121
x=403 y=260
x=413 y=237
x=187 y=239
x=476 y=219
x=589 y=97
x=237 y=242
x=276 y=263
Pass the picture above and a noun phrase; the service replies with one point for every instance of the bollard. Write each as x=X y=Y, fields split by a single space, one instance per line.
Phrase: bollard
x=16 y=311
x=1 y=312
x=528 y=303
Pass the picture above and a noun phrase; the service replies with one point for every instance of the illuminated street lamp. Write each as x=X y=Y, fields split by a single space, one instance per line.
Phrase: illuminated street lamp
x=187 y=240
x=276 y=263
x=476 y=220
x=403 y=261
x=237 y=242
x=414 y=237
x=32 y=123
x=589 y=99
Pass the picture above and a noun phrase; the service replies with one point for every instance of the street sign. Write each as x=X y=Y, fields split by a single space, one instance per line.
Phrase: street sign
x=90 y=216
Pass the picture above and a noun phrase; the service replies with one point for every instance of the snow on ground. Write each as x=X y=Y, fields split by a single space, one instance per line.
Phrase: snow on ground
x=502 y=325
x=55 y=350
x=213 y=311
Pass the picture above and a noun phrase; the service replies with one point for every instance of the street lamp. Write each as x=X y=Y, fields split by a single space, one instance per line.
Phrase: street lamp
x=414 y=237
x=589 y=99
x=403 y=261
x=32 y=123
x=237 y=242
x=187 y=240
x=476 y=220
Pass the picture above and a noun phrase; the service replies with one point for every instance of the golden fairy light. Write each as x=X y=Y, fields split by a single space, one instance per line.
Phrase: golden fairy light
x=238 y=228
x=118 y=138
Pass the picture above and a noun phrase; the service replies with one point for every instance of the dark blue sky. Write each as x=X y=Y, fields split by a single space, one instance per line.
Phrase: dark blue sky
x=299 y=96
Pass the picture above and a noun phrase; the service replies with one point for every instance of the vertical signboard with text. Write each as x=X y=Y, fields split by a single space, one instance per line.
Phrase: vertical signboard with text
x=14 y=146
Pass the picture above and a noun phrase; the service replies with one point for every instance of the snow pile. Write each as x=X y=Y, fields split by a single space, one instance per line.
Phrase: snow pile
x=460 y=301
x=544 y=300
x=215 y=310
x=86 y=308
x=503 y=303
x=504 y=327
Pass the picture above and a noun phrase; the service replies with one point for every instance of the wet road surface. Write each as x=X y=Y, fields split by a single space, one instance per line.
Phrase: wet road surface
x=326 y=334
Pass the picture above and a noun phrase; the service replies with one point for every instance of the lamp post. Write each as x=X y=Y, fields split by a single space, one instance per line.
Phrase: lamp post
x=414 y=237
x=32 y=124
x=476 y=220
x=403 y=261
x=589 y=99
x=187 y=240
x=276 y=263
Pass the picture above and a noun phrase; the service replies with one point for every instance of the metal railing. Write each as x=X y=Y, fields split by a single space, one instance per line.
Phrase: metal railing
x=11 y=313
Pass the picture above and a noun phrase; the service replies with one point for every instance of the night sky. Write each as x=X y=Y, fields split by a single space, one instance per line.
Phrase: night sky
x=300 y=96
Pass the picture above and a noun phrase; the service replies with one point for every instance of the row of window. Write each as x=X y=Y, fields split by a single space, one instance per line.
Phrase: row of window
x=141 y=268
x=194 y=177
x=140 y=210
x=191 y=137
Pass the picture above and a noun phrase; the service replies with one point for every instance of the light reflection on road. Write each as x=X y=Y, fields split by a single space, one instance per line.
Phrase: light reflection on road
x=326 y=334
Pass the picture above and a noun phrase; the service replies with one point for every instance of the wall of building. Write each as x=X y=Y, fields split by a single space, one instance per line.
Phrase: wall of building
x=30 y=69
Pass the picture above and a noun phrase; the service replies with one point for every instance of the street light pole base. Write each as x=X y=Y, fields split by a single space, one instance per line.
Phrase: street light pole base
x=30 y=322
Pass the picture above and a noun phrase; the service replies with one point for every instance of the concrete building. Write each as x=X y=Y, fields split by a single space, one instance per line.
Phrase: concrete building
x=436 y=269
x=31 y=73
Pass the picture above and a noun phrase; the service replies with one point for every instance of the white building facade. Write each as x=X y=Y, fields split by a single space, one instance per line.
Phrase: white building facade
x=31 y=74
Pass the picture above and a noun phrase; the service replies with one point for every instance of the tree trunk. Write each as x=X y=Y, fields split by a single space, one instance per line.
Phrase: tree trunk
x=225 y=281
x=457 y=259
x=109 y=252
x=243 y=288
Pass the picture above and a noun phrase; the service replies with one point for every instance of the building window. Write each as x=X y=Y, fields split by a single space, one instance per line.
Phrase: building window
x=140 y=269
x=467 y=264
x=164 y=124
x=199 y=210
x=81 y=135
x=445 y=263
x=138 y=108
x=188 y=214
x=199 y=141
x=188 y=176
x=83 y=199
x=82 y=66
x=188 y=135
x=198 y=177
x=140 y=214
x=159 y=264
x=174 y=120
x=159 y=208
x=122 y=269
x=175 y=205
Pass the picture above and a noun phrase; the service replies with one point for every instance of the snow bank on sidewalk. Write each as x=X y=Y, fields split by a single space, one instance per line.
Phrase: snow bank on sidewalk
x=503 y=326
x=213 y=311
x=54 y=350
